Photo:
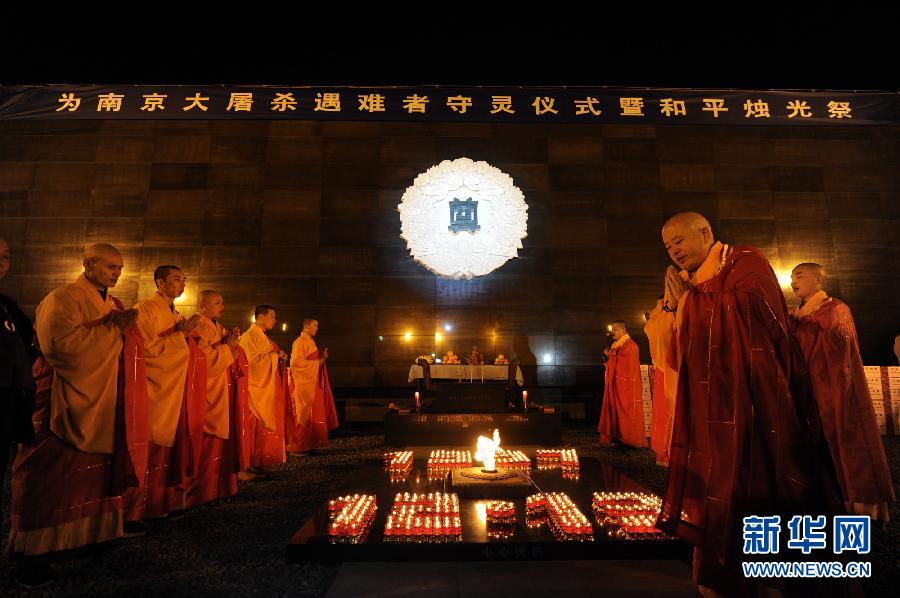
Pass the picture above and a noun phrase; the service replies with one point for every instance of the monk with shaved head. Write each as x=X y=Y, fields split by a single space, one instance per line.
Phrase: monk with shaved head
x=218 y=466
x=746 y=437
x=90 y=414
x=826 y=332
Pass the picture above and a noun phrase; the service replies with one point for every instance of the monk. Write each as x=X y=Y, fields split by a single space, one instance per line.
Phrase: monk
x=827 y=335
x=17 y=353
x=665 y=384
x=89 y=420
x=311 y=392
x=746 y=437
x=622 y=411
x=217 y=471
x=176 y=391
x=267 y=390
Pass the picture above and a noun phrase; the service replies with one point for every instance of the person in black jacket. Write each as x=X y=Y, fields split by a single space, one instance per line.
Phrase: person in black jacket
x=16 y=384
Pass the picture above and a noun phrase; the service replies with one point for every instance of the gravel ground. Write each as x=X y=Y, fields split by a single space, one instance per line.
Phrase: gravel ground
x=236 y=546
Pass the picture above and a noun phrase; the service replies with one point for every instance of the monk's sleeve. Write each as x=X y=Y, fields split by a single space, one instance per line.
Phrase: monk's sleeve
x=61 y=334
x=218 y=355
x=146 y=323
x=258 y=349
x=661 y=332
x=302 y=358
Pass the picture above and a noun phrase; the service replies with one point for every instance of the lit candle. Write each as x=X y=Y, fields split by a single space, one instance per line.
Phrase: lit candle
x=418 y=402
x=525 y=399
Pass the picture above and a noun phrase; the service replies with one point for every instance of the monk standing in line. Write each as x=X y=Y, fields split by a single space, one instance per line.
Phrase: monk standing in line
x=311 y=395
x=622 y=411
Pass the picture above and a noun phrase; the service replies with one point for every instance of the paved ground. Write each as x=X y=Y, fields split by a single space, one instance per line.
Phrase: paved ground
x=236 y=546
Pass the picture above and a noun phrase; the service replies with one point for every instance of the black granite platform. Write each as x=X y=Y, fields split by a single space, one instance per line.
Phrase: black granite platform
x=459 y=429
x=311 y=542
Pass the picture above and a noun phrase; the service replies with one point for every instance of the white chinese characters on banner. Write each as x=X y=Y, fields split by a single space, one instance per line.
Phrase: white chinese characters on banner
x=462 y=219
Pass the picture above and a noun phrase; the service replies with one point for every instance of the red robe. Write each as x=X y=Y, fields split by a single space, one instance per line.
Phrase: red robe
x=269 y=445
x=170 y=469
x=243 y=423
x=322 y=419
x=622 y=411
x=219 y=461
x=63 y=498
x=747 y=439
x=828 y=339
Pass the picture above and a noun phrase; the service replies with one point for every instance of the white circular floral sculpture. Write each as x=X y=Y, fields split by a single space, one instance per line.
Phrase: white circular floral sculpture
x=462 y=218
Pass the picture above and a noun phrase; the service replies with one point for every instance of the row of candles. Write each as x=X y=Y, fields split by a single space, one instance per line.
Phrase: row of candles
x=500 y=511
x=516 y=460
x=449 y=459
x=351 y=517
x=432 y=517
x=566 y=520
x=398 y=464
x=627 y=514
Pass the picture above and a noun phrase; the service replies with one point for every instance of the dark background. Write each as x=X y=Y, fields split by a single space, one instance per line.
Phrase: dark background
x=303 y=215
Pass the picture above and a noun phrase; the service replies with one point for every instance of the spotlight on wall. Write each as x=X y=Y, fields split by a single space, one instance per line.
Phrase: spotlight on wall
x=284 y=327
x=448 y=327
x=407 y=336
x=437 y=337
x=784 y=278
x=548 y=358
x=380 y=338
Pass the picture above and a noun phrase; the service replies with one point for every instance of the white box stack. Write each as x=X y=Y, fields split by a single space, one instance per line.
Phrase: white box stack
x=646 y=398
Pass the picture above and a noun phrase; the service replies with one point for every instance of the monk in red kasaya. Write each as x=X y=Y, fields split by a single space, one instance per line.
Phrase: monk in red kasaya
x=622 y=411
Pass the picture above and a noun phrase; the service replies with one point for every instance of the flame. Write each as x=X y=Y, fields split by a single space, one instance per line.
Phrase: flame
x=487 y=449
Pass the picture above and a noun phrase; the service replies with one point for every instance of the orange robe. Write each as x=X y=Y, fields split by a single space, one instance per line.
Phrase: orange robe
x=622 y=411
x=746 y=439
x=826 y=332
x=311 y=398
x=176 y=397
x=665 y=385
x=217 y=468
x=90 y=421
x=267 y=390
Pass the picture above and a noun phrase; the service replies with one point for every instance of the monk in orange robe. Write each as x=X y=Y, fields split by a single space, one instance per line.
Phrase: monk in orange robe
x=176 y=396
x=665 y=384
x=622 y=411
x=89 y=419
x=217 y=467
x=267 y=392
x=311 y=395
x=827 y=335
x=746 y=439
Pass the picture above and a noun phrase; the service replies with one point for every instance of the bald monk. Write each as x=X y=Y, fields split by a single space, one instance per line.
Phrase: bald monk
x=176 y=390
x=746 y=438
x=311 y=396
x=89 y=419
x=827 y=335
x=217 y=467
x=267 y=389
x=665 y=384
x=622 y=411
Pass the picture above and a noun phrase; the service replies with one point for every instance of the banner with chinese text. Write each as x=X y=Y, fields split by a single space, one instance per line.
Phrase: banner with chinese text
x=443 y=104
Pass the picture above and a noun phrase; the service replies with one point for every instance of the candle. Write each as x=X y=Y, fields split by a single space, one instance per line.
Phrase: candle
x=525 y=399
x=418 y=402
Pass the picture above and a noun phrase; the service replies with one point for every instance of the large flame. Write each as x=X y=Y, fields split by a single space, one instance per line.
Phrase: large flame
x=487 y=449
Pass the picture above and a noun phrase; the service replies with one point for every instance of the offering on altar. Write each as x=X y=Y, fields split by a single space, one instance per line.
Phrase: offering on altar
x=451 y=358
x=501 y=360
x=428 y=358
x=475 y=357
x=351 y=517
x=432 y=517
x=566 y=521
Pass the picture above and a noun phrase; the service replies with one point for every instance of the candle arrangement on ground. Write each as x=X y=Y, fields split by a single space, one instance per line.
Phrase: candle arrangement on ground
x=350 y=517
x=627 y=514
x=516 y=460
x=432 y=517
x=565 y=459
x=500 y=519
x=440 y=462
x=565 y=519
x=399 y=464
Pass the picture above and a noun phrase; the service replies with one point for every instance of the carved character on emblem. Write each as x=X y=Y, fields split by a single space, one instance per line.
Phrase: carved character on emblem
x=463 y=216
